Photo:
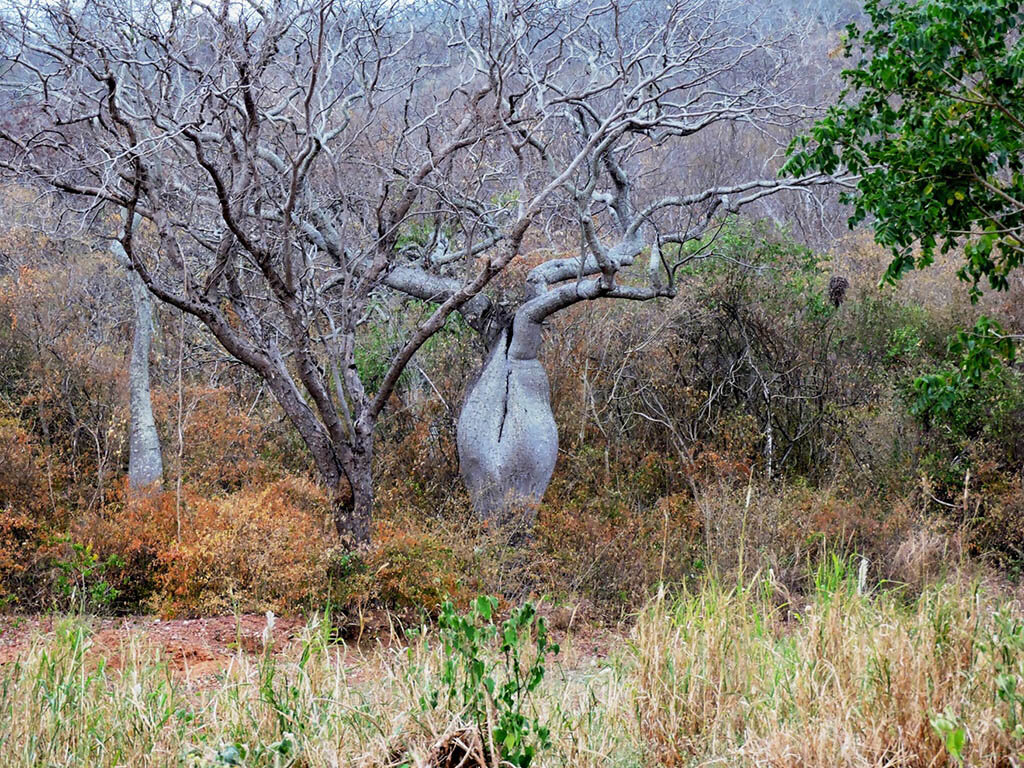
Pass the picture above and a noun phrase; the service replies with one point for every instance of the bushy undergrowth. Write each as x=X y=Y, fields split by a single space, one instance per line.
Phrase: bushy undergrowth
x=856 y=674
x=749 y=409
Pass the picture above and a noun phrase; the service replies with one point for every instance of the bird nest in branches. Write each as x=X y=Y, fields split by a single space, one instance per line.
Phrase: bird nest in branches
x=837 y=287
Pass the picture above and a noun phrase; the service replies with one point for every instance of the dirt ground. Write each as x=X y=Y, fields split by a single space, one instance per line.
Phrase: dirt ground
x=198 y=650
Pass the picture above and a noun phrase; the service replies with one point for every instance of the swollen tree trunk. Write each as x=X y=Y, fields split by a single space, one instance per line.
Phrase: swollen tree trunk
x=506 y=434
x=145 y=465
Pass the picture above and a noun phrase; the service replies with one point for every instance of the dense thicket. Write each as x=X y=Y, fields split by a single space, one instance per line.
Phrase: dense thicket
x=766 y=413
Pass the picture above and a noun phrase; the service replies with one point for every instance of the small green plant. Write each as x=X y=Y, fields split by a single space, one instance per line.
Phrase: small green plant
x=952 y=733
x=903 y=343
x=81 y=578
x=490 y=672
x=836 y=574
x=1007 y=649
x=976 y=370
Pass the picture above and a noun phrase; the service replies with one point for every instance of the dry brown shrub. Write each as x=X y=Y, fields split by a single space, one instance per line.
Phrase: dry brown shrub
x=614 y=554
x=407 y=567
x=26 y=514
x=996 y=527
x=226 y=447
x=136 y=531
x=23 y=488
x=923 y=556
x=258 y=549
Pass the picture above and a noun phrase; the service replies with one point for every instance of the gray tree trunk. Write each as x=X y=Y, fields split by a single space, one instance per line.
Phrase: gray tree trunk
x=506 y=434
x=353 y=514
x=145 y=465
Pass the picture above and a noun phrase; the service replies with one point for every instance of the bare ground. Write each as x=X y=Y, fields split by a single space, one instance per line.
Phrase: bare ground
x=199 y=650
x=196 y=649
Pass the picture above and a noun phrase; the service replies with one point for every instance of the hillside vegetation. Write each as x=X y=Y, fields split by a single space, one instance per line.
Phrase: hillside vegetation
x=762 y=422
x=524 y=383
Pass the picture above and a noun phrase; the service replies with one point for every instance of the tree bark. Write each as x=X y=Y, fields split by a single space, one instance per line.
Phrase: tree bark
x=352 y=509
x=145 y=464
x=353 y=505
x=506 y=434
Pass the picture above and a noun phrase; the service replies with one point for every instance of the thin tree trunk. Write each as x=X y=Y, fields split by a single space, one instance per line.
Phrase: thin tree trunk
x=145 y=464
x=178 y=481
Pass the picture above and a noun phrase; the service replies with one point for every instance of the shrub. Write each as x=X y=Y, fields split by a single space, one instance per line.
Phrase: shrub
x=489 y=674
x=27 y=519
x=137 y=532
x=226 y=447
x=22 y=542
x=613 y=553
x=258 y=549
x=23 y=488
x=407 y=569
x=81 y=581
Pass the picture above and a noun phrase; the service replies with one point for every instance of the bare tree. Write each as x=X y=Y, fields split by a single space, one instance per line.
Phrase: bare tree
x=621 y=93
x=295 y=159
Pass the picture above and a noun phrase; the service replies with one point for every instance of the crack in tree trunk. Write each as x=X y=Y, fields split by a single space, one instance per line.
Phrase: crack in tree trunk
x=504 y=408
x=508 y=383
x=507 y=438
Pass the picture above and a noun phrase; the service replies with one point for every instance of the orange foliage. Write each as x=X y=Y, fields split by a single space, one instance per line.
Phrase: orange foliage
x=264 y=547
x=409 y=568
x=70 y=394
x=224 y=444
x=24 y=507
x=258 y=549
x=22 y=470
x=137 y=530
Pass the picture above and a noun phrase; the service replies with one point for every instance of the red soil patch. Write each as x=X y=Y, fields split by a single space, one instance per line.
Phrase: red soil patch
x=196 y=649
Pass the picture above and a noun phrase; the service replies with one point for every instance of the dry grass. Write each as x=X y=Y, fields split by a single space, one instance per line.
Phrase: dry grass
x=719 y=676
x=847 y=679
